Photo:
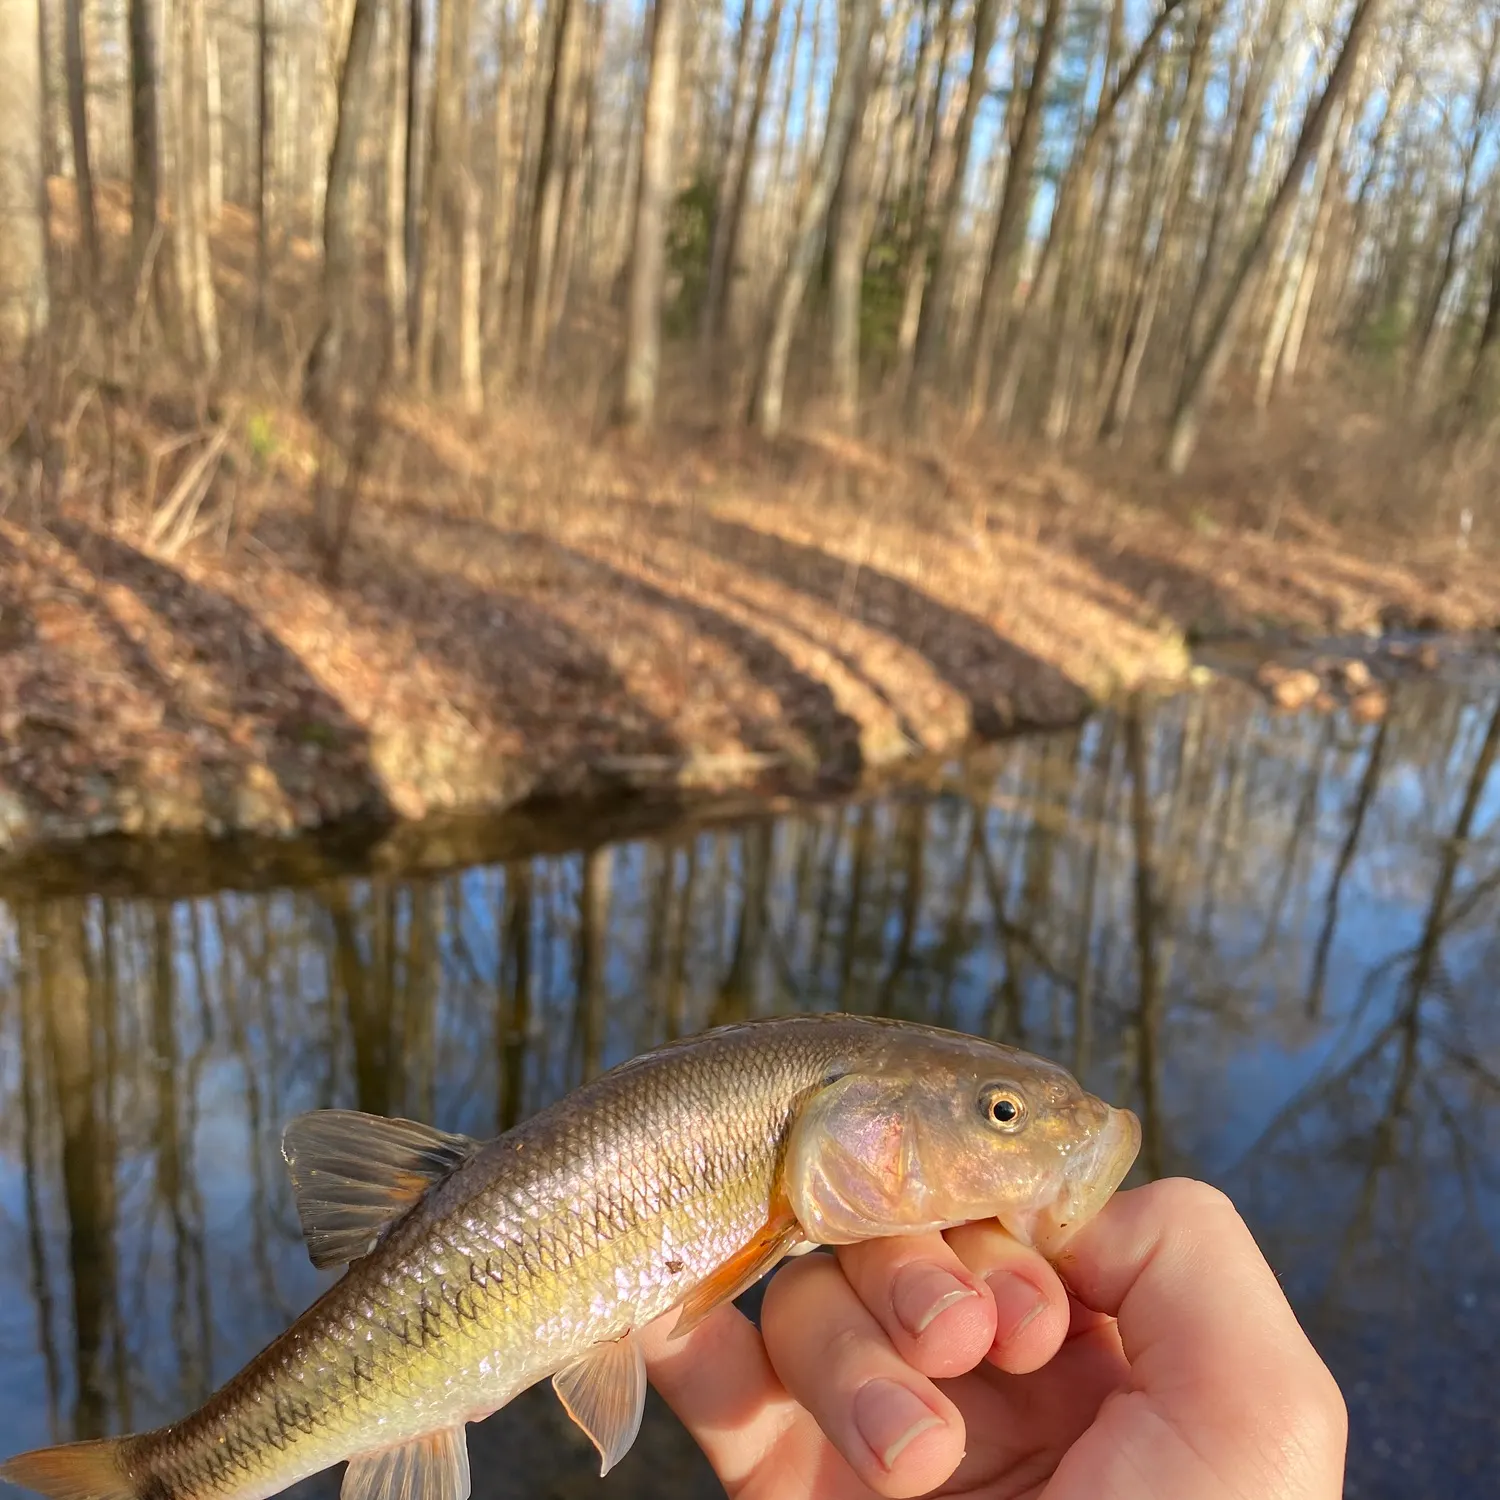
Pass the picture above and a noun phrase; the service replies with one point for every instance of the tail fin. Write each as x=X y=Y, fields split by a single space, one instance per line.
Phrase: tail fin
x=72 y=1471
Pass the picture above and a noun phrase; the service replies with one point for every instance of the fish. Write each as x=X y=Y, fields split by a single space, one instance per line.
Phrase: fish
x=668 y=1185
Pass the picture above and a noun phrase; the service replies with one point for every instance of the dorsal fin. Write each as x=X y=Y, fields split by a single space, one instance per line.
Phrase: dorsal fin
x=355 y=1174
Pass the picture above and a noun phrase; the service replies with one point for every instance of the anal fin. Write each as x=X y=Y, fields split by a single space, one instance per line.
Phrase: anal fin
x=354 y=1175
x=434 y=1466
x=605 y=1394
x=781 y=1235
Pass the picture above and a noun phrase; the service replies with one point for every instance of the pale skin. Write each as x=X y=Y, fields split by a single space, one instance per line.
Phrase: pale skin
x=1159 y=1360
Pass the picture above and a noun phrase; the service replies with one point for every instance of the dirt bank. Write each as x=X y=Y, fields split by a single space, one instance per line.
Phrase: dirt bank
x=541 y=615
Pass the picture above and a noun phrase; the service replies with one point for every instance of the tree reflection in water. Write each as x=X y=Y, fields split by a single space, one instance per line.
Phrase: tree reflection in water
x=1275 y=936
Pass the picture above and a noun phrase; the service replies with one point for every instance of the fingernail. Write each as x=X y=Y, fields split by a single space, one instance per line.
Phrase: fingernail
x=1017 y=1302
x=920 y=1292
x=889 y=1416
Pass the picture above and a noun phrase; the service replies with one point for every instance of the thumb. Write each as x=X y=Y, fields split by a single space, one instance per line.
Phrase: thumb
x=1224 y=1383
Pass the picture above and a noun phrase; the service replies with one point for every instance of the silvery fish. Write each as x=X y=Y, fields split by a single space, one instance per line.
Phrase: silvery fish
x=670 y=1184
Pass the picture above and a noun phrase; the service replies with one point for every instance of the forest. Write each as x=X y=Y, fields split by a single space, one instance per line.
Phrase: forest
x=1064 y=217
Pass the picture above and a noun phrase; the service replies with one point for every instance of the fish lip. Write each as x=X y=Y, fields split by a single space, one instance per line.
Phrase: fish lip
x=1092 y=1177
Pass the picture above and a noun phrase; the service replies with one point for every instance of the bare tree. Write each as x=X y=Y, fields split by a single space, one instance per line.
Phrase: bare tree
x=855 y=26
x=24 y=300
x=647 y=257
x=1208 y=363
x=327 y=363
x=932 y=325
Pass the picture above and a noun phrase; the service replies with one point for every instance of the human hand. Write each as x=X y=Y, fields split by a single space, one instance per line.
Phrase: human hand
x=959 y=1365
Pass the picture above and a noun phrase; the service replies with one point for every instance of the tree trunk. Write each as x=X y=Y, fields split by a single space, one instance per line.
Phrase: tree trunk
x=1424 y=345
x=78 y=123
x=397 y=287
x=24 y=301
x=1177 y=174
x=727 y=164
x=341 y=260
x=193 y=271
x=732 y=246
x=1266 y=47
x=922 y=202
x=1009 y=233
x=213 y=98
x=857 y=24
x=263 y=124
x=1208 y=364
x=637 y=401
x=412 y=187
x=1071 y=196
x=850 y=238
x=546 y=218
x=145 y=155
x=933 y=320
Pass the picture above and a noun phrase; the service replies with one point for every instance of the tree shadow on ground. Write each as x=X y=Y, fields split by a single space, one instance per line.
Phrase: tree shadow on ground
x=1003 y=684
x=256 y=702
x=550 y=699
x=1195 y=599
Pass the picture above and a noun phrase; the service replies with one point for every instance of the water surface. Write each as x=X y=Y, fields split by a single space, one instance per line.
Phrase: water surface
x=1277 y=938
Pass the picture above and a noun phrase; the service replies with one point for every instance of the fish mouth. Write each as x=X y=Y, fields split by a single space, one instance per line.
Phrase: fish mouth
x=1092 y=1177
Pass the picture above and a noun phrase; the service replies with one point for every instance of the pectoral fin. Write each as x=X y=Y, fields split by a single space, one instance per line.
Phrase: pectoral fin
x=605 y=1393
x=780 y=1236
x=355 y=1174
x=434 y=1466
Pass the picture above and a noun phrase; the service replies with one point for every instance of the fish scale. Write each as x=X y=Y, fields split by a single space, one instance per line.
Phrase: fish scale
x=475 y=1270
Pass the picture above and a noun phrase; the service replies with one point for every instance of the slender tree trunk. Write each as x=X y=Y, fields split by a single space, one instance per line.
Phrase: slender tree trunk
x=922 y=202
x=1266 y=47
x=397 y=287
x=933 y=321
x=728 y=162
x=1009 y=233
x=1177 y=173
x=736 y=219
x=851 y=235
x=412 y=187
x=546 y=219
x=1071 y=195
x=329 y=363
x=637 y=400
x=24 y=299
x=435 y=265
x=856 y=23
x=1424 y=344
x=145 y=155
x=213 y=99
x=263 y=129
x=1207 y=367
x=78 y=123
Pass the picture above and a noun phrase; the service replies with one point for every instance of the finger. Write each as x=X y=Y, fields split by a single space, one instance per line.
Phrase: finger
x=720 y=1384
x=937 y=1313
x=1031 y=1303
x=1213 y=1345
x=894 y=1428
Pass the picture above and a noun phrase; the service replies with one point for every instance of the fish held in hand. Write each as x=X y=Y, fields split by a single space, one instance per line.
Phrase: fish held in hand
x=666 y=1186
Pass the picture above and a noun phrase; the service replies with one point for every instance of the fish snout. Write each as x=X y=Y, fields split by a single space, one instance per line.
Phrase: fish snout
x=1092 y=1175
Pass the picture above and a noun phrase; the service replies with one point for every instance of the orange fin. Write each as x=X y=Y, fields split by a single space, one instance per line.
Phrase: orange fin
x=434 y=1466
x=605 y=1393
x=354 y=1175
x=72 y=1471
x=779 y=1236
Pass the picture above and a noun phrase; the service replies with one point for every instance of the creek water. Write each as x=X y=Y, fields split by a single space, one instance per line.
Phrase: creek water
x=1276 y=937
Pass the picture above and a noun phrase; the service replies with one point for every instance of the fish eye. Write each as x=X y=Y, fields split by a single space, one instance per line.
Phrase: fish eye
x=1002 y=1107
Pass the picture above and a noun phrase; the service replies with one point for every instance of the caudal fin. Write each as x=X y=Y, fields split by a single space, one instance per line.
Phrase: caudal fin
x=72 y=1471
